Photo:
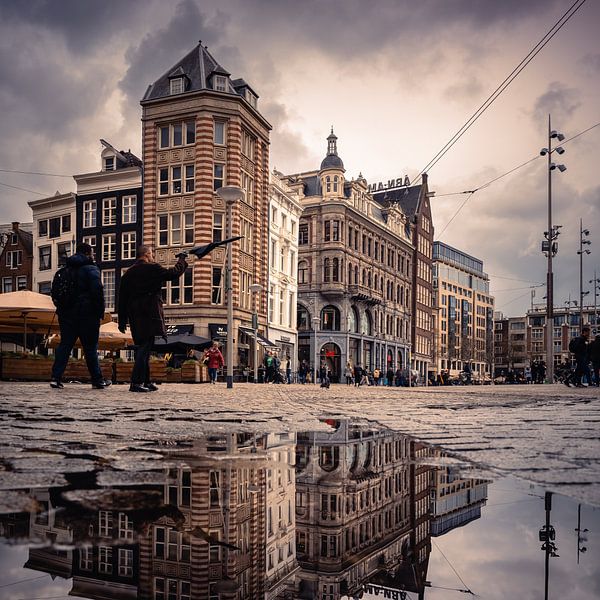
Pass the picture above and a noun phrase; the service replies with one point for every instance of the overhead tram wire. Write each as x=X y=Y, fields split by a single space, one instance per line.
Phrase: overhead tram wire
x=16 y=187
x=35 y=173
x=467 y=590
x=507 y=81
x=487 y=184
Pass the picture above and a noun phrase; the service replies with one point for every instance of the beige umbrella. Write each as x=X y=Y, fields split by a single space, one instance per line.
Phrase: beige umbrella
x=110 y=338
x=31 y=311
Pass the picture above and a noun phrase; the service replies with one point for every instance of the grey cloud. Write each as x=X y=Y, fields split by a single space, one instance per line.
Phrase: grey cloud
x=81 y=23
x=466 y=89
x=592 y=62
x=559 y=100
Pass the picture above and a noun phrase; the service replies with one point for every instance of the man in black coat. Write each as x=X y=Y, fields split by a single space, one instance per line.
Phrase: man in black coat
x=595 y=359
x=140 y=303
x=579 y=347
x=81 y=317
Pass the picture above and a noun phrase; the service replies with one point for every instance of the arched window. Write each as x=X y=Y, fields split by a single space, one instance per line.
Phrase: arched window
x=302 y=272
x=376 y=280
x=381 y=322
x=367 y=323
x=398 y=294
x=402 y=296
x=398 y=334
x=302 y=319
x=364 y=277
x=330 y=318
x=353 y=320
x=328 y=183
x=335 y=183
x=326 y=271
x=335 y=275
x=369 y=280
x=356 y=274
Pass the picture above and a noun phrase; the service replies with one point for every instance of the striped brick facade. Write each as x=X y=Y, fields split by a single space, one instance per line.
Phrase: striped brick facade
x=204 y=107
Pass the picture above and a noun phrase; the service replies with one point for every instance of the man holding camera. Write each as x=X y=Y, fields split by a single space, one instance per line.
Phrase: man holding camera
x=140 y=304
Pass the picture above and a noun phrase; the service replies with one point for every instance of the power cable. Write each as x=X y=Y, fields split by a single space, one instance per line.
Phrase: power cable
x=34 y=173
x=528 y=287
x=467 y=589
x=5 y=585
x=16 y=187
x=507 y=81
x=512 y=278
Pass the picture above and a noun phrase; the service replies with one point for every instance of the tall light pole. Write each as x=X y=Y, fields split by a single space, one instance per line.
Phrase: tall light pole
x=255 y=289
x=316 y=321
x=583 y=240
x=550 y=247
x=230 y=194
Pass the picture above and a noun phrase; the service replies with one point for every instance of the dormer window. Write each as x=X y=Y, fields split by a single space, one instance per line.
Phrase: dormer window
x=109 y=163
x=176 y=85
x=251 y=98
x=220 y=83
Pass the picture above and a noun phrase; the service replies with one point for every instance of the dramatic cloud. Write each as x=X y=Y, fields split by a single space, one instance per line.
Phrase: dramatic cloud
x=559 y=101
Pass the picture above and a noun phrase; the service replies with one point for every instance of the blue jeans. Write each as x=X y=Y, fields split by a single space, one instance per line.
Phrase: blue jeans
x=212 y=373
x=87 y=330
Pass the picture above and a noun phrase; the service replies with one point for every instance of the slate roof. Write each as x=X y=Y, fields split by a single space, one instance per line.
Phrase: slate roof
x=407 y=197
x=332 y=161
x=198 y=66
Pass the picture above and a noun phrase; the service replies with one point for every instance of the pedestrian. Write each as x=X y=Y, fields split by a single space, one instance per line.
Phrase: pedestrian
x=358 y=373
x=322 y=372
x=595 y=359
x=398 y=377
x=542 y=372
x=367 y=377
x=78 y=294
x=302 y=371
x=579 y=347
x=288 y=370
x=376 y=376
x=528 y=374
x=213 y=358
x=140 y=304
x=390 y=376
x=348 y=373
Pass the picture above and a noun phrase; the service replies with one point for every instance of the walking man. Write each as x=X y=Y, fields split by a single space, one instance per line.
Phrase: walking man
x=595 y=359
x=78 y=295
x=214 y=361
x=140 y=303
x=579 y=347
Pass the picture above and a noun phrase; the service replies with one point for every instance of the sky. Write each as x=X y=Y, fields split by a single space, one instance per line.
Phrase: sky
x=396 y=79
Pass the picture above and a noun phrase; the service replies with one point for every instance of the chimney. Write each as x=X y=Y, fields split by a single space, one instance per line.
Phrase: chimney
x=15 y=225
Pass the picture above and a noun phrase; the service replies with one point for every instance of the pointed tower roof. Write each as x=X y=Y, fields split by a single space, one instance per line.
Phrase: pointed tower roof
x=332 y=160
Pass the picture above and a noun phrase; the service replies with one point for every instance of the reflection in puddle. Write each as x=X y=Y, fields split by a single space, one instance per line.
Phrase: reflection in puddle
x=354 y=511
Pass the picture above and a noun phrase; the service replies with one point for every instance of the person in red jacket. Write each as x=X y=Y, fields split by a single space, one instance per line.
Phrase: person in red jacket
x=214 y=361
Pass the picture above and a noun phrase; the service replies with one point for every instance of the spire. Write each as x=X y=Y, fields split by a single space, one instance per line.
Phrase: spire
x=332 y=143
x=332 y=160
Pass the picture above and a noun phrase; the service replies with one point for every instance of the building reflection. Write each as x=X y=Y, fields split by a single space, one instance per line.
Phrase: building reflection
x=327 y=515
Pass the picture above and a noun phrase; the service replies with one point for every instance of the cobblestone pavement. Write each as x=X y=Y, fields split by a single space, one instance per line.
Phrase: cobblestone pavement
x=545 y=434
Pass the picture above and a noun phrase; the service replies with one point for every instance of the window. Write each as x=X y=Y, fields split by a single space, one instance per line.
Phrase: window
x=302 y=319
x=21 y=282
x=189 y=178
x=174 y=134
x=86 y=558
x=246 y=232
x=109 y=163
x=218 y=176
x=109 y=211
x=105 y=560
x=335 y=231
x=43 y=228
x=217 y=227
x=327 y=235
x=271 y=306
x=108 y=281
x=303 y=234
x=217 y=285
x=66 y=223
x=175 y=180
x=91 y=240
x=45 y=258
x=55 y=227
x=125 y=527
x=176 y=86
x=175 y=229
x=163 y=182
x=45 y=287
x=219 y=133
x=248 y=187
x=215 y=489
x=89 y=213
x=330 y=319
x=220 y=83
x=125 y=562
x=252 y=99
x=129 y=209
x=105 y=523
x=248 y=144
x=14 y=259
x=180 y=291
x=245 y=281
x=7 y=285
x=109 y=247
x=63 y=251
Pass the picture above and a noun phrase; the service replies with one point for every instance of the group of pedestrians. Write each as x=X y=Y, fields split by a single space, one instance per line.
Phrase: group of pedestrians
x=357 y=376
x=585 y=352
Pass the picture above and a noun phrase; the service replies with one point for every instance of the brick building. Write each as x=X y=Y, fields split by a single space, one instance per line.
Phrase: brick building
x=16 y=260
x=202 y=130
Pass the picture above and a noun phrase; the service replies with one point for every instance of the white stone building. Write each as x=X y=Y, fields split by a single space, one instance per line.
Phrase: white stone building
x=284 y=217
x=53 y=237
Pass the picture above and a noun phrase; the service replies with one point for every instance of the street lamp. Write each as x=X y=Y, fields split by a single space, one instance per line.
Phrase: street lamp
x=583 y=241
x=316 y=321
x=550 y=245
x=230 y=194
x=255 y=289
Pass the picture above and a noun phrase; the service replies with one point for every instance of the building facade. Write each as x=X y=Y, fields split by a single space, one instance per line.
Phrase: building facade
x=354 y=272
x=413 y=202
x=284 y=218
x=465 y=313
x=16 y=260
x=109 y=215
x=53 y=237
x=201 y=131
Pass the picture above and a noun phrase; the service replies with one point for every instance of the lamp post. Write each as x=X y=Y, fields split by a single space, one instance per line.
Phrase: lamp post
x=583 y=240
x=550 y=246
x=255 y=289
x=230 y=194
x=316 y=321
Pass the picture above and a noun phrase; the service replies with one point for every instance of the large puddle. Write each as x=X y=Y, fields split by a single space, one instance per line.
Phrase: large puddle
x=350 y=511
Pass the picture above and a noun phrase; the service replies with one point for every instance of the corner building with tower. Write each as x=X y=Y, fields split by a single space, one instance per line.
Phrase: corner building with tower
x=202 y=130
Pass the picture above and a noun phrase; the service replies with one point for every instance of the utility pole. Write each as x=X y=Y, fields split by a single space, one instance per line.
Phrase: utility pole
x=583 y=235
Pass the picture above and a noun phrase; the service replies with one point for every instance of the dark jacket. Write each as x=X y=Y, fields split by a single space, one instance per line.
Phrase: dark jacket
x=595 y=351
x=579 y=347
x=89 y=304
x=140 y=300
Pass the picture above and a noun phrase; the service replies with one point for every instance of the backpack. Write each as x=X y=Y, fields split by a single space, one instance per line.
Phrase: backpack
x=64 y=288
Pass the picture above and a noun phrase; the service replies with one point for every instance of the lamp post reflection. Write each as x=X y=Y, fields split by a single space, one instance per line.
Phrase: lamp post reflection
x=547 y=536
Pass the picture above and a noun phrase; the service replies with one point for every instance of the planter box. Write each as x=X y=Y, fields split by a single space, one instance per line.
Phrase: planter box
x=123 y=372
x=190 y=372
x=27 y=369
x=158 y=371
x=173 y=376
x=77 y=370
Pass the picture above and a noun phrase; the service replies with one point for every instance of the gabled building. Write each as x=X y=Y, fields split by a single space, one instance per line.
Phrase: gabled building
x=109 y=215
x=16 y=259
x=354 y=272
x=53 y=237
x=413 y=201
x=202 y=130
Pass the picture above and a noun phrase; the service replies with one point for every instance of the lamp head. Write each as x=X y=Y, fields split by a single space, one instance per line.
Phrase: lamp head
x=543 y=151
x=585 y=231
x=562 y=168
x=560 y=150
x=552 y=166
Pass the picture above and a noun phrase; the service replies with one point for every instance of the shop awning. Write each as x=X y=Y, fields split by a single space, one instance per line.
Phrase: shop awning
x=261 y=339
